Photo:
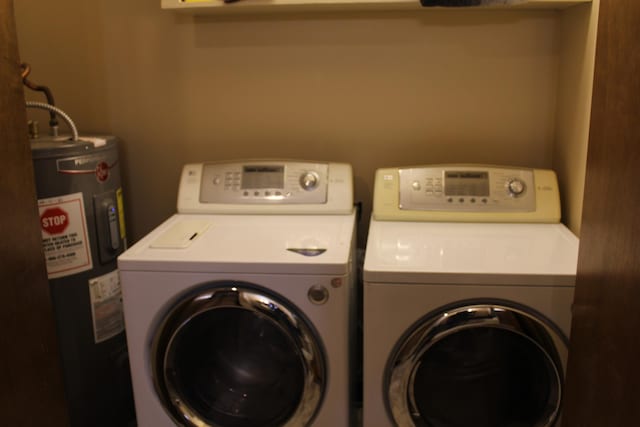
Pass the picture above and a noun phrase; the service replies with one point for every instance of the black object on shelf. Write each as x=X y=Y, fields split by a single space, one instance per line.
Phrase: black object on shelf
x=451 y=3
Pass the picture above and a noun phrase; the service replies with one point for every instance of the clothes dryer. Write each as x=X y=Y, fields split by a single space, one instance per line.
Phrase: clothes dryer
x=239 y=307
x=468 y=287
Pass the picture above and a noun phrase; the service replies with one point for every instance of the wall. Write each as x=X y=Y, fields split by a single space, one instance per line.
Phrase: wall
x=577 y=40
x=375 y=89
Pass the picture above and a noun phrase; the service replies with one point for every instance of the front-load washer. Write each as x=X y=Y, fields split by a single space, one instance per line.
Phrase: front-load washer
x=239 y=308
x=468 y=286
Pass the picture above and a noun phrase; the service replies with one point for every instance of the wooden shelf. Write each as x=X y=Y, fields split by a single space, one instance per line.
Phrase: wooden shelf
x=219 y=6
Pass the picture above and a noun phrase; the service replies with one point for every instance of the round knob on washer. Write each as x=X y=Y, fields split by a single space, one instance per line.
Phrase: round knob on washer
x=309 y=180
x=318 y=294
x=515 y=187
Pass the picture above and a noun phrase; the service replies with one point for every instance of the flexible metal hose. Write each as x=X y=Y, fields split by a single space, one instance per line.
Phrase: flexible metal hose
x=44 y=106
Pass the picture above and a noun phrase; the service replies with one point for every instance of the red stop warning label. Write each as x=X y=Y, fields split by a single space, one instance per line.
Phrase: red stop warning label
x=54 y=220
x=65 y=238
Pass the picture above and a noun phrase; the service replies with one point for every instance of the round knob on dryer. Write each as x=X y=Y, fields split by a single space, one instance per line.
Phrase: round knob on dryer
x=515 y=187
x=309 y=180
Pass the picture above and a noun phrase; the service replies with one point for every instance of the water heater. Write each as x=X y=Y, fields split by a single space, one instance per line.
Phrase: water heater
x=80 y=205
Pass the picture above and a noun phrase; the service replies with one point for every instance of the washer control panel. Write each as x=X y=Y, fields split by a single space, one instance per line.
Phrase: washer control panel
x=266 y=187
x=467 y=189
x=264 y=182
x=466 y=193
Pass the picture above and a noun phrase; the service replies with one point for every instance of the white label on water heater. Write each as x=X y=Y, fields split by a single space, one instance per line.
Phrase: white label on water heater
x=65 y=238
x=106 y=306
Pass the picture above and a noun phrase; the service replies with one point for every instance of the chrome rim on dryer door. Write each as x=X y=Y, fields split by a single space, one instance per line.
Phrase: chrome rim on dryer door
x=501 y=361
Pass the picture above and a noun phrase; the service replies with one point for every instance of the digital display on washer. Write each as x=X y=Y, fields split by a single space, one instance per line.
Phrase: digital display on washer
x=259 y=177
x=466 y=183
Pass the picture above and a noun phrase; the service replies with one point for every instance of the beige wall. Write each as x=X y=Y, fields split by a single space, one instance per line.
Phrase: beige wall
x=373 y=89
x=578 y=30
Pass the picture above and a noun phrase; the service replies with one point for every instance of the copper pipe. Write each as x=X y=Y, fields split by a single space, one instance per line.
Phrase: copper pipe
x=26 y=70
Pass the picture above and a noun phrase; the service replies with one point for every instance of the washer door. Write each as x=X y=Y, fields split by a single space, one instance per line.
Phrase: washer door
x=481 y=365
x=235 y=355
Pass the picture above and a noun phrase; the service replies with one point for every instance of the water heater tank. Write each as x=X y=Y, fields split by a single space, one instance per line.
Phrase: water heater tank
x=81 y=215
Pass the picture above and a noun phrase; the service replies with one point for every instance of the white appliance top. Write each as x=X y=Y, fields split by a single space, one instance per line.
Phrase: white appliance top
x=470 y=253
x=289 y=244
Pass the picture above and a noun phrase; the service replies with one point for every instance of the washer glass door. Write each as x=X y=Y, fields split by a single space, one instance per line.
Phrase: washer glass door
x=235 y=355
x=481 y=365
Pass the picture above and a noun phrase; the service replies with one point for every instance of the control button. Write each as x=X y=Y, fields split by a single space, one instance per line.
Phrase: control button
x=267 y=193
x=256 y=193
x=278 y=193
x=318 y=294
x=245 y=193
x=472 y=200
x=484 y=200
x=515 y=187
x=309 y=181
x=216 y=180
x=461 y=200
x=415 y=185
x=450 y=200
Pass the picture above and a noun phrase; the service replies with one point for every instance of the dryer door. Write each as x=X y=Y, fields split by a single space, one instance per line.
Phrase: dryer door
x=235 y=355
x=481 y=365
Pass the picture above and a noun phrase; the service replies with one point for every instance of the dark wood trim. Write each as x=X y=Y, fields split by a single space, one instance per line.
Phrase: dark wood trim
x=32 y=389
x=604 y=361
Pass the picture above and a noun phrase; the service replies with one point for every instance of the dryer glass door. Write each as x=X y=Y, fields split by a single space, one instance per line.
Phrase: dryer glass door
x=237 y=356
x=477 y=365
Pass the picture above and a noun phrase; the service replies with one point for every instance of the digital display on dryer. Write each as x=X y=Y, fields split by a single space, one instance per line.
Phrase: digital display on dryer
x=260 y=177
x=466 y=183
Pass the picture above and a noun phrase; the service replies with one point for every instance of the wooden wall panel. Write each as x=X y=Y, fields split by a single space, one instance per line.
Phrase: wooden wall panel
x=30 y=374
x=604 y=362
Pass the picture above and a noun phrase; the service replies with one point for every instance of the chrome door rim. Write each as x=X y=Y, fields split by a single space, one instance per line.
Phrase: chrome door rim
x=404 y=361
x=247 y=297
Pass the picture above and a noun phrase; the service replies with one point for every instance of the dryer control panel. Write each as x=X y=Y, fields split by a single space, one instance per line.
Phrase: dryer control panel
x=266 y=186
x=466 y=193
x=467 y=189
